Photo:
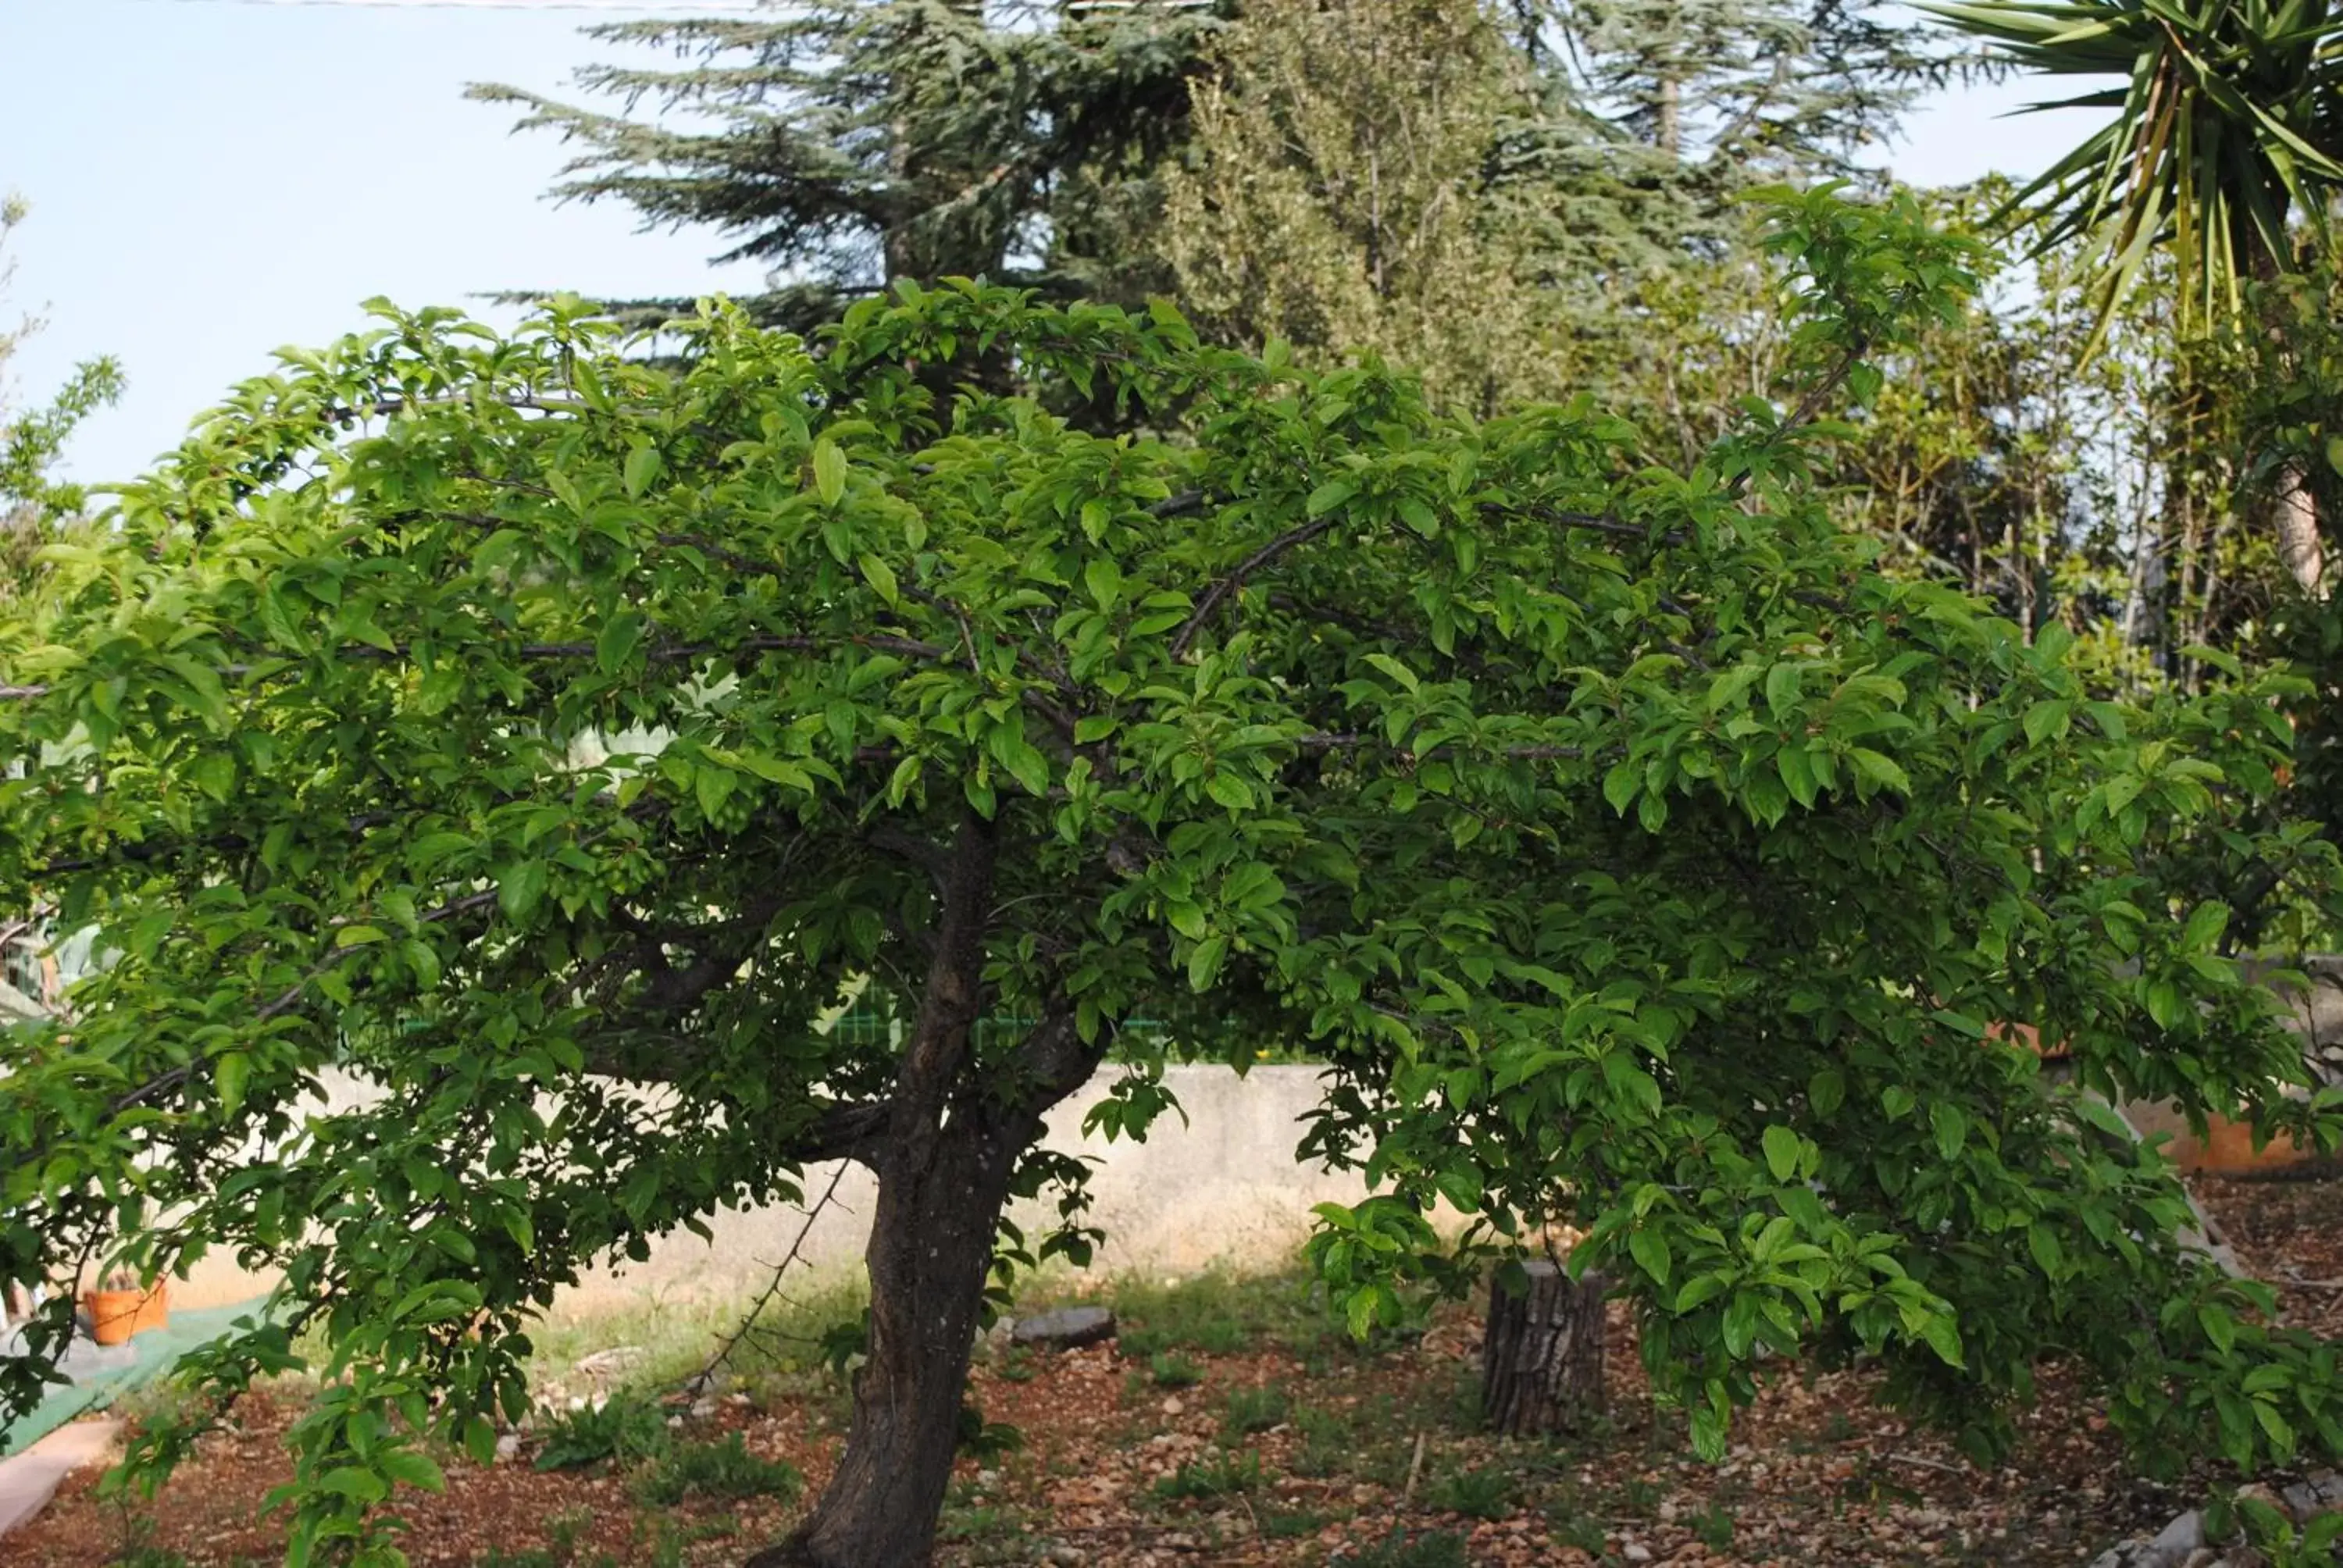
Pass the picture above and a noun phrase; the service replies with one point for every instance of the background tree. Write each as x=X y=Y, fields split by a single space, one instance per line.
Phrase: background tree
x=1337 y=192
x=857 y=141
x=2225 y=147
x=31 y=502
x=505 y=719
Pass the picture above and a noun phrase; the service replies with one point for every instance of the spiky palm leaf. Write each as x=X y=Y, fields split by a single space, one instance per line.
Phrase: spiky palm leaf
x=2229 y=123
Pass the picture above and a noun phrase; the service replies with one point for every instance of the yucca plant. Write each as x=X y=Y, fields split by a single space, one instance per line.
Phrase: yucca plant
x=2227 y=147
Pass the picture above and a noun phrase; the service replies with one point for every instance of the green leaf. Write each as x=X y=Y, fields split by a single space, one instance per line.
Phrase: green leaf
x=1880 y=769
x=2042 y=1242
x=357 y=936
x=1826 y=1092
x=1650 y=1250
x=1783 y=1150
x=879 y=576
x=1204 y=961
x=642 y=468
x=230 y=1072
x=518 y=887
x=616 y=643
x=1104 y=578
x=1952 y=1128
x=1329 y=496
x=1399 y=673
x=413 y=1468
x=828 y=471
x=2207 y=921
x=2335 y=453
x=2219 y=1327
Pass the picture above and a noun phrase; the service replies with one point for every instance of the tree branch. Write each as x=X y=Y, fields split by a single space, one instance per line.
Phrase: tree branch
x=1235 y=579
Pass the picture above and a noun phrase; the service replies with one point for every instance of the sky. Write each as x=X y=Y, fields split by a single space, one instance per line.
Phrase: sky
x=210 y=179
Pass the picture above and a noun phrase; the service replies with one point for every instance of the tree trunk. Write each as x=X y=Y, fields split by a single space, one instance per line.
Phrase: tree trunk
x=945 y=1163
x=2294 y=515
x=932 y=1239
x=1542 y=1359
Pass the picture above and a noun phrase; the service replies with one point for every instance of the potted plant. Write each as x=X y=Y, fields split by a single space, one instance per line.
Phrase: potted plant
x=120 y=1307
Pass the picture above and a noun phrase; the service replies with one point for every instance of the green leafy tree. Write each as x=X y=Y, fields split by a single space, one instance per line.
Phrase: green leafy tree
x=554 y=737
x=1337 y=192
x=31 y=502
x=2226 y=148
x=852 y=142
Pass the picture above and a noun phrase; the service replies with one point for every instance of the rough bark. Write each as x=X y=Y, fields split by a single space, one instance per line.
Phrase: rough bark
x=945 y=1161
x=1541 y=1359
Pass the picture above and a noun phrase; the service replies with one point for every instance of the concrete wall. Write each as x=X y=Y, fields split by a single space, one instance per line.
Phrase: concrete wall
x=1225 y=1187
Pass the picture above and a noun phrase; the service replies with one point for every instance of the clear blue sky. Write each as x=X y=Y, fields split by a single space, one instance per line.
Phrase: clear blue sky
x=213 y=178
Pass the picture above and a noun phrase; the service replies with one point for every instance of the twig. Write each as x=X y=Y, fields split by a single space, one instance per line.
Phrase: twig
x=698 y=1381
x=1414 y=1468
x=1235 y=579
x=1925 y=1463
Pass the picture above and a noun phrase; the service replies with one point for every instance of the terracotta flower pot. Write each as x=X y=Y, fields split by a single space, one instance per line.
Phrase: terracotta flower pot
x=115 y=1315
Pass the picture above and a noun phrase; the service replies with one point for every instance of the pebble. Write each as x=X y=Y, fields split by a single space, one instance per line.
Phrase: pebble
x=1635 y=1552
x=508 y=1445
x=1065 y=1556
x=1173 y=1406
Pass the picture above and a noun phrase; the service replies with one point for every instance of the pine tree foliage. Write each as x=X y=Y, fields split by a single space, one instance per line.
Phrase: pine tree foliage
x=847 y=143
x=1337 y=195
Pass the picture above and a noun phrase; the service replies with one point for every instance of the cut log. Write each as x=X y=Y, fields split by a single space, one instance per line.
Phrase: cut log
x=1542 y=1359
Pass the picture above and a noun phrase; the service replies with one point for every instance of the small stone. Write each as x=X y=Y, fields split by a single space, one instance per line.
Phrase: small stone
x=739 y=1400
x=702 y=1408
x=1635 y=1552
x=2183 y=1535
x=1065 y=1556
x=988 y=1478
x=608 y=1363
x=675 y=1423
x=1173 y=1406
x=1065 y=1329
x=508 y=1445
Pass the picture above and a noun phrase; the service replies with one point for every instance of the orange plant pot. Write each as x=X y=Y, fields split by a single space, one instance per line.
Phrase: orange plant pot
x=115 y=1315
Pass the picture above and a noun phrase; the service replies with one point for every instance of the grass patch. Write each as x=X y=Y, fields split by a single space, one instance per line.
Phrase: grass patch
x=676 y=1338
x=1253 y=1410
x=1400 y=1549
x=725 y=1471
x=1169 y=1369
x=1224 y=1474
x=1480 y=1493
x=624 y=1428
x=1221 y=1313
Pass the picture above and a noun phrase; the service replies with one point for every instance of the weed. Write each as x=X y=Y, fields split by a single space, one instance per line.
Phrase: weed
x=987 y=1440
x=1326 y=1446
x=1481 y=1493
x=1251 y=1410
x=1439 y=1549
x=1219 y=1314
x=1017 y=1365
x=1639 y=1496
x=1169 y=1369
x=1223 y=1475
x=621 y=1430
x=1838 y=1427
x=724 y=1469
x=1713 y=1526
x=1290 y=1525
x=1568 y=1527
x=560 y=1550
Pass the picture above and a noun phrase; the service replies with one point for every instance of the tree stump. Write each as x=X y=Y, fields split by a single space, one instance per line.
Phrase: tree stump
x=1542 y=1359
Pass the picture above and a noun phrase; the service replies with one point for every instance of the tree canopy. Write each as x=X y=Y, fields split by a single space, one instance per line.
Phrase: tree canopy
x=553 y=737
